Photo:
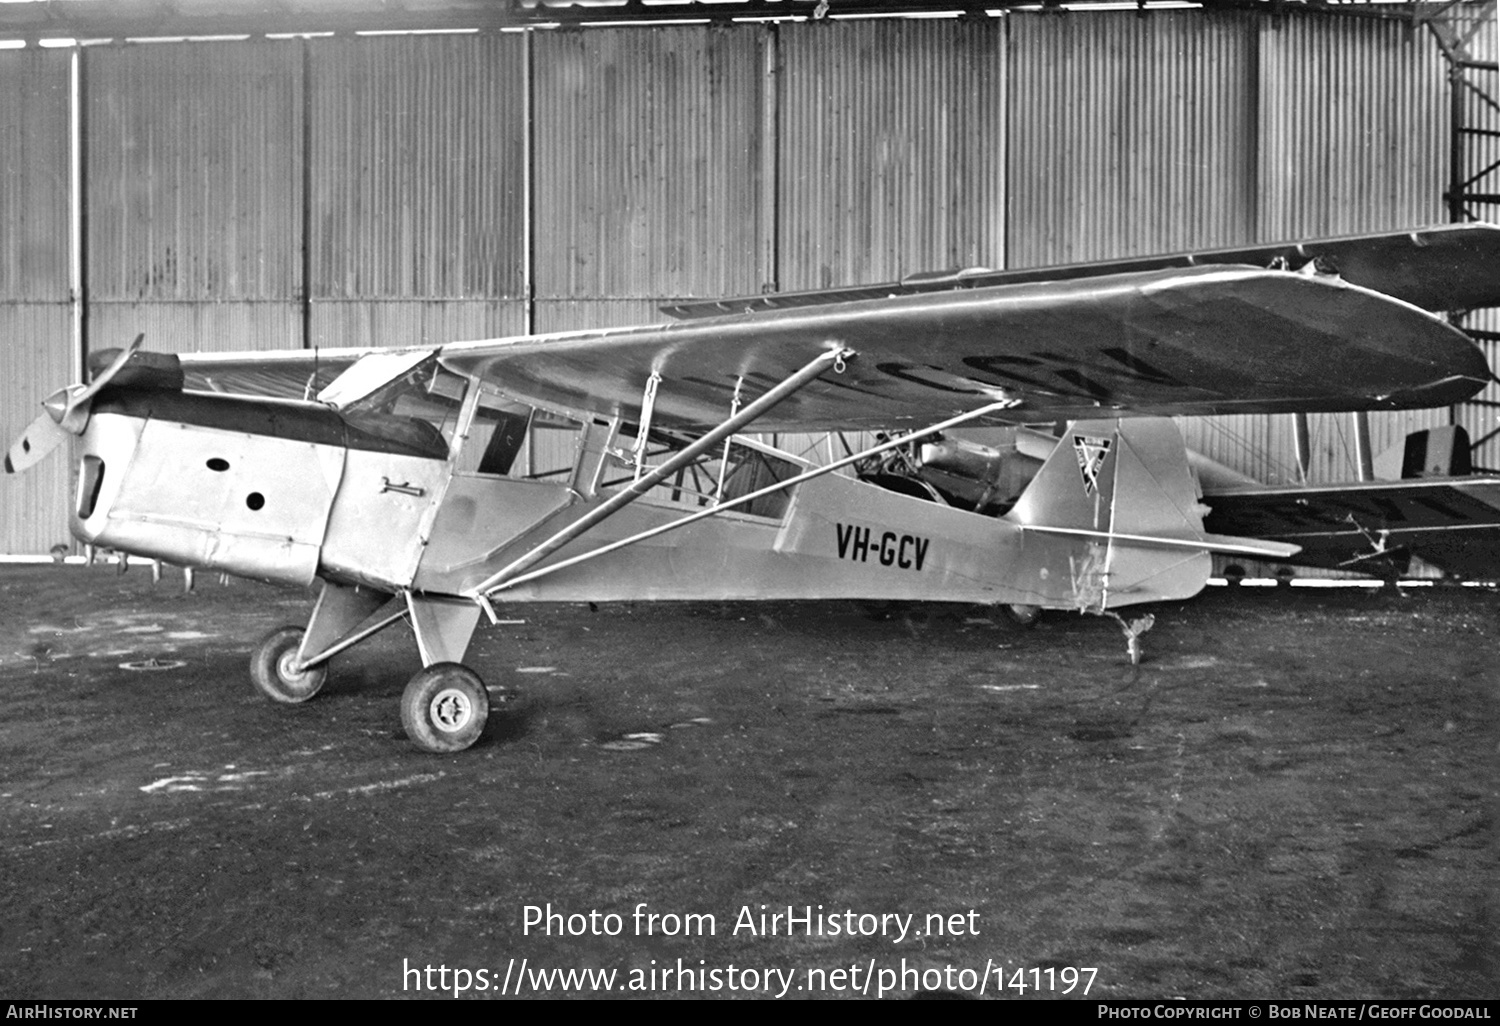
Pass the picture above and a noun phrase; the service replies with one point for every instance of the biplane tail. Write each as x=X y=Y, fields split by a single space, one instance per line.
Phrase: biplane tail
x=1113 y=519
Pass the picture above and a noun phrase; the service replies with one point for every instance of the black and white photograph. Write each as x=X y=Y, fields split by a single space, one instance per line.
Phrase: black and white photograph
x=751 y=499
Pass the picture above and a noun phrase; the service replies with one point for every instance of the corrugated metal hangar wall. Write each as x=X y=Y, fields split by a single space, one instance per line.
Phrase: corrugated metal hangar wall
x=389 y=190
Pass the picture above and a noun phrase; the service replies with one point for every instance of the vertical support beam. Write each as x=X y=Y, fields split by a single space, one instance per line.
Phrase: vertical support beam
x=770 y=162
x=1455 y=142
x=1363 y=458
x=77 y=214
x=307 y=213
x=1302 y=436
x=528 y=192
x=1455 y=27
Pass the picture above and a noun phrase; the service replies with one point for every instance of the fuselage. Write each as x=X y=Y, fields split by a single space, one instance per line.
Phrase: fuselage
x=292 y=491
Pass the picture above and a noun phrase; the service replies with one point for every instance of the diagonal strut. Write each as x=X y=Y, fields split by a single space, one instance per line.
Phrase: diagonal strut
x=835 y=356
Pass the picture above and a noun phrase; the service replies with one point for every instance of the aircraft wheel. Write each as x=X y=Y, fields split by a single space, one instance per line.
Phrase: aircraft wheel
x=271 y=668
x=444 y=708
x=1023 y=616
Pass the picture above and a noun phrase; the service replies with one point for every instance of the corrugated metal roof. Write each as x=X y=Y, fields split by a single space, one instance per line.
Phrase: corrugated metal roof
x=36 y=313
x=193 y=166
x=893 y=139
x=405 y=322
x=418 y=170
x=190 y=327
x=648 y=163
x=1353 y=128
x=35 y=359
x=578 y=314
x=1130 y=135
x=34 y=121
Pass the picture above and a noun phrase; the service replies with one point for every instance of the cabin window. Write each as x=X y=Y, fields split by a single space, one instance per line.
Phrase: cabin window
x=495 y=438
x=507 y=438
x=709 y=480
x=749 y=470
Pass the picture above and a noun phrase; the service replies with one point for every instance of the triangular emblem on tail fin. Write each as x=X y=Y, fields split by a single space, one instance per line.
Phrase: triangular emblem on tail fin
x=1091 y=451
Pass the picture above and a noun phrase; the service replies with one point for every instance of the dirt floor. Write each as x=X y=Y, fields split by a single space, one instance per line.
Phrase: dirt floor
x=1294 y=796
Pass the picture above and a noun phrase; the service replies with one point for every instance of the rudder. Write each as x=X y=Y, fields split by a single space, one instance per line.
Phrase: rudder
x=1113 y=518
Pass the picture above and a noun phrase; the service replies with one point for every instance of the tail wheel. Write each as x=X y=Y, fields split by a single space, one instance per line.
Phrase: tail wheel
x=444 y=708
x=273 y=668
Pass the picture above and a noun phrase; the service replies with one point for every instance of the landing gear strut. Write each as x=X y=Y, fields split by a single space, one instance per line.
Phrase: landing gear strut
x=444 y=707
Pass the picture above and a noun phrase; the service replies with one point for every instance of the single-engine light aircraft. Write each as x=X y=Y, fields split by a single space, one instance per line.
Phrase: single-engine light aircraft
x=437 y=483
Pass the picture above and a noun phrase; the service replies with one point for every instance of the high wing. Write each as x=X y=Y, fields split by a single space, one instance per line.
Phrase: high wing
x=1445 y=267
x=1373 y=527
x=1169 y=342
x=1091 y=342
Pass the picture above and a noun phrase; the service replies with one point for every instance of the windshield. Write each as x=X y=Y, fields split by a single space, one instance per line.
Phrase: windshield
x=417 y=411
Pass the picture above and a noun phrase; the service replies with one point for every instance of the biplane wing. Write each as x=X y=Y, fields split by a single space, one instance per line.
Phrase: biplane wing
x=1373 y=527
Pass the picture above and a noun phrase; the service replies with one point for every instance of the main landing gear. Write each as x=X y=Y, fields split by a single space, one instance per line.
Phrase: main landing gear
x=444 y=707
x=274 y=668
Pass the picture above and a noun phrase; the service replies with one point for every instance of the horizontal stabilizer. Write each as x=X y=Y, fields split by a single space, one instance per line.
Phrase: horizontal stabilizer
x=1227 y=544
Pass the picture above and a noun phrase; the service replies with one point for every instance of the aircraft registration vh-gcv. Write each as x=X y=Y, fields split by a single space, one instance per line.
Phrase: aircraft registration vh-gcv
x=438 y=483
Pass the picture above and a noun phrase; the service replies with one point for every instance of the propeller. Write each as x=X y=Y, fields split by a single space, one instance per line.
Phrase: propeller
x=67 y=414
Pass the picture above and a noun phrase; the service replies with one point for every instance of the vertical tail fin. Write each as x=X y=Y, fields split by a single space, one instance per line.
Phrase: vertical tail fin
x=1118 y=477
x=1113 y=519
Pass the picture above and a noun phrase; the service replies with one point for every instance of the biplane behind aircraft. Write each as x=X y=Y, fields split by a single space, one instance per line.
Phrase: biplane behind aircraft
x=1422 y=503
x=438 y=483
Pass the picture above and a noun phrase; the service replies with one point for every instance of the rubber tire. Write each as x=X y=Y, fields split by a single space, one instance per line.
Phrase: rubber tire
x=1022 y=615
x=450 y=687
x=270 y=675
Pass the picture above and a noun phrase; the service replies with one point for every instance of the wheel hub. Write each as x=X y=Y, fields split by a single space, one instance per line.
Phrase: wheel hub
x=450 y=710
x=287 y=669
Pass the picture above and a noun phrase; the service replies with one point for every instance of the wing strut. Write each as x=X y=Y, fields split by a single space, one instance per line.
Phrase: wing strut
x=481 y=594
x=834 y=357
x=648 y=409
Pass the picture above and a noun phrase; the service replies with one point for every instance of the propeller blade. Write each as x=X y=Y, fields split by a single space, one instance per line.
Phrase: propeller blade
x=73 y=414
x=39 y=438
x=117 y=365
